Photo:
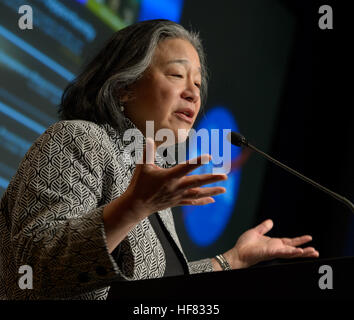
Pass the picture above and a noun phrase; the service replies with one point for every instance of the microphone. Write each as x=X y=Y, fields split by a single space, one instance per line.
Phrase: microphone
x=239 y=140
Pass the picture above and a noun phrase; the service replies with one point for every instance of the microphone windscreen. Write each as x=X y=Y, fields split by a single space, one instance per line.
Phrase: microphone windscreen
x=237 y=139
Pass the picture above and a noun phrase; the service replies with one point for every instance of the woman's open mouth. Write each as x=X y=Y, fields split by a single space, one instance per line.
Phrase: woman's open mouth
x=185 y=114
x=184 y=117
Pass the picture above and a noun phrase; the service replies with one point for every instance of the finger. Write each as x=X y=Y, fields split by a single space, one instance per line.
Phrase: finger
x=298 y=241
x=292 y=252
x=289 y=252
x=183 y=169
x=264 y=227
x=194 y=181
x=196 y=202
x=196 y=193
x=310 y=252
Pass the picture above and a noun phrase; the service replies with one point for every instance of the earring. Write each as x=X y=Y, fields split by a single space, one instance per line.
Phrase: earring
x=121 y=107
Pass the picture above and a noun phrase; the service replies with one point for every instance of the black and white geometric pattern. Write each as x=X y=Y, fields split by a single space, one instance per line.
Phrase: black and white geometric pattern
x=51 y=217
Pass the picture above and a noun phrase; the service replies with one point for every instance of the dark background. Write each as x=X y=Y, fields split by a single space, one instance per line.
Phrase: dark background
x=314 y=134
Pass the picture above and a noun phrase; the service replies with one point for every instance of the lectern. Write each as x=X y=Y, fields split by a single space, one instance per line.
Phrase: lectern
x=317 y=279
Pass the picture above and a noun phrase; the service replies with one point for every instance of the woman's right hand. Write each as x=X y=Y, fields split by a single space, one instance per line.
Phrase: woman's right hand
x=153 y=188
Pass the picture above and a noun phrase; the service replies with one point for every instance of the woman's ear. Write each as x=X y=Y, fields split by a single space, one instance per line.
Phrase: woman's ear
x=125 y=94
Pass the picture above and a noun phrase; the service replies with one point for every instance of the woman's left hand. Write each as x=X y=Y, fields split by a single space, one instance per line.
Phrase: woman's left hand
x=253 y=247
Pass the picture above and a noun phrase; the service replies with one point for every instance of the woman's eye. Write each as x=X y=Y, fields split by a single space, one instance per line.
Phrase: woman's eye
x=198 y=85
x=177 y=75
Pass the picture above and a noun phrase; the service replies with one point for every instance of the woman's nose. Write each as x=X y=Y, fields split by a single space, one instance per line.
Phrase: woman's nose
x=191 y=92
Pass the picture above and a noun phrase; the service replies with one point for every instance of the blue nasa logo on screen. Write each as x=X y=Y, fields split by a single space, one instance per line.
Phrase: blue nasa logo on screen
x=205 y=224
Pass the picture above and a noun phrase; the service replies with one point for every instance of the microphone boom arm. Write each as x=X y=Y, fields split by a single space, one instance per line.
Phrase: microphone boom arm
x=239 y=140
x=299 y=175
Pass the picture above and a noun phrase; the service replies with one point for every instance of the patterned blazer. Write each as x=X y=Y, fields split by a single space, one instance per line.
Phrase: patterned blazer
x=51 y=217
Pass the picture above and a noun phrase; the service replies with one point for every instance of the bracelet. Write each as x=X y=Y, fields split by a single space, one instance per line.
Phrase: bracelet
x=223 y=262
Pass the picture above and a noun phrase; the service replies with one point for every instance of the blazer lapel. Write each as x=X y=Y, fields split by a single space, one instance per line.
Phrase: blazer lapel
x=167 y=219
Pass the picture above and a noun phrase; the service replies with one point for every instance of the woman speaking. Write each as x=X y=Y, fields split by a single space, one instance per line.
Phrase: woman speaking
x=82 y=212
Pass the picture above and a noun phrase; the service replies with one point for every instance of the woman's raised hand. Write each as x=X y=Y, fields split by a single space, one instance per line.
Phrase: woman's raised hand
x=253 y=247
x=153 y=188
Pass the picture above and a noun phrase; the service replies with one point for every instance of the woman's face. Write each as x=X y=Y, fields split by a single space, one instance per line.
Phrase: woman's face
x=169 y=91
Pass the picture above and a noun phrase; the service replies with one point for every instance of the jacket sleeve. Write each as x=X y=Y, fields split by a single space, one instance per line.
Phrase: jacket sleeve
x=200 y=266
x=57 y=224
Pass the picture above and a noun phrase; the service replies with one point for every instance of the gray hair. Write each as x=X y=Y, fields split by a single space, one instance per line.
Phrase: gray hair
x=119 y=64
